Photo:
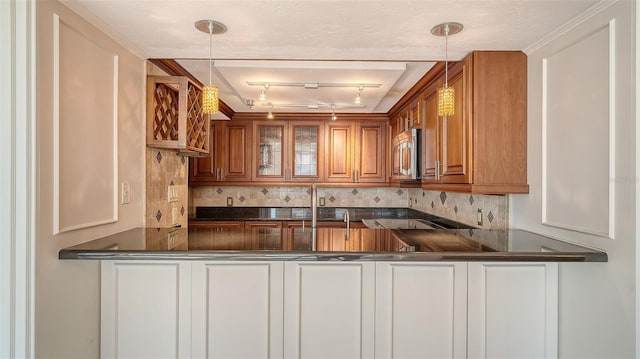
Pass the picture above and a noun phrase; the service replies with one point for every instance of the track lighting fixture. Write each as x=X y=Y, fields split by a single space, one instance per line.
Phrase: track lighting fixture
x=315 y=85
x=263 y=93
x=358 y=99
x=270 y=114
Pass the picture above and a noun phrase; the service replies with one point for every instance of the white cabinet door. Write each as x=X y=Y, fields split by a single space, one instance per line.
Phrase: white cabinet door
x=146 y=309
x=237 y=309
x=513 y=310
x=329 y=310
x=421 y=310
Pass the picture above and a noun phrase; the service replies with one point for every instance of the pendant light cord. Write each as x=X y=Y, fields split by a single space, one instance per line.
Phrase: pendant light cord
x=446 y=56
x=210 y=46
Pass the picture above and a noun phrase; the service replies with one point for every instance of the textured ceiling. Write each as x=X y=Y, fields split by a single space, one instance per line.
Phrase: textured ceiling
x=395 y=32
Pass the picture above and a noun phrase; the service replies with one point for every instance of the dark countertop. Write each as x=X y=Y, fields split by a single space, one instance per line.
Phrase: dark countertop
x=356 y=214
x=364 y=244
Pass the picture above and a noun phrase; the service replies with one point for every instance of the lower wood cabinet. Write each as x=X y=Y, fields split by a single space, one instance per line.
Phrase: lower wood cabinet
x=232 y=309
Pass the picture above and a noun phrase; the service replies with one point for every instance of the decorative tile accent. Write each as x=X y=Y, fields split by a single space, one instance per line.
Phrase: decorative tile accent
x=309 y=191
x=242 y=199
x=219 y=190
x=443 y=197
x=158 y=216
x=432 y=205
x=471 y=232
x=455 y=209
x=182 y=209
x=422 y=193
x=264 y=191
x=159 y=157
x=287 y=199
x=471 y=200
x=377 y=199
x=490 y=217
x=354 y=192
x=332 y=199
x=399 y=192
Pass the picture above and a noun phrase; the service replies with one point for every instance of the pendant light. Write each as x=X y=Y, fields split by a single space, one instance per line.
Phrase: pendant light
x=446 y=94
x=210 y=92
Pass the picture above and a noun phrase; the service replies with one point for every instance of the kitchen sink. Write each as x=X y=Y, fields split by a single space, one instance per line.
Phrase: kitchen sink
x=400 y=223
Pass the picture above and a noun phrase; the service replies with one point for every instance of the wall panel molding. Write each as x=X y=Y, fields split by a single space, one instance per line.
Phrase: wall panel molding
x=578 y=100
x=85 y=163
x=569 y=26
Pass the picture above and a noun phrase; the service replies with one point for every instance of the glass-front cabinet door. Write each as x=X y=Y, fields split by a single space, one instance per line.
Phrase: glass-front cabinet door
x=269 y=151
x=287 y=151
x=306 y=149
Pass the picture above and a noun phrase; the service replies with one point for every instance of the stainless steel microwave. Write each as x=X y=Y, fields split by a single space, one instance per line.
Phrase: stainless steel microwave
x=406 y=155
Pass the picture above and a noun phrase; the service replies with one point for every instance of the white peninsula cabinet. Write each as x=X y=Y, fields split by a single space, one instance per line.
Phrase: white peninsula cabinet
x=328 y=309
x=513 y=310
x=421 y=310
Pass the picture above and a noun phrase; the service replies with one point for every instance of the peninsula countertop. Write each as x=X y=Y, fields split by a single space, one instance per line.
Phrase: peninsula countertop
x=330 y=244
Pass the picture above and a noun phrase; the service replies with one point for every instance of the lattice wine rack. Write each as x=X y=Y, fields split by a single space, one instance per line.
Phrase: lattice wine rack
x=174 y=116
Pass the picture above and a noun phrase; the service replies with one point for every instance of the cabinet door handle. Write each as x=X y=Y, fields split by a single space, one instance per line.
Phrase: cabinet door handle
x=437 y=170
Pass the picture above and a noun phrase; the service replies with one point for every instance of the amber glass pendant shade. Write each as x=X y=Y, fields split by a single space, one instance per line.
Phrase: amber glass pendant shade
x=209 y=99
x=446 y=101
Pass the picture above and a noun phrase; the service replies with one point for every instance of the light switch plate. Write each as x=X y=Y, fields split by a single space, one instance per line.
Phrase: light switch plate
x=125 y=193
x=172 y=194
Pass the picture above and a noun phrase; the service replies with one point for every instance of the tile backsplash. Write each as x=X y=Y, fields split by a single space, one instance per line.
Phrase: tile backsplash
x=459 y=207
x=463 y=207
x=164 y=168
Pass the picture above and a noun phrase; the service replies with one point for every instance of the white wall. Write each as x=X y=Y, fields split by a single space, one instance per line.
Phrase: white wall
x=67 y=292
x=570 y=115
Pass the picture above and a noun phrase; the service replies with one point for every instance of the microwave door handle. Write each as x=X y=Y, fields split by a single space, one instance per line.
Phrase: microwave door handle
x=412 y=159
x=403 y=146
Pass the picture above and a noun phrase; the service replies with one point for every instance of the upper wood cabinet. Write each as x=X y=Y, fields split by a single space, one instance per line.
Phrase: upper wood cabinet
x=356 y=152
x=230 y=159
x=174 y=115
x=482 y=147
x=414 y=116
x=371 y=147
x=287 y=151
x=446 y=140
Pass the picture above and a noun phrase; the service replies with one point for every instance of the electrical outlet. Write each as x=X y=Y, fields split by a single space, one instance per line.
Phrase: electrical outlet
x=229 y=201
x=321 y=201
x=480 y=219
x=174 y=216
x=172 y=239
x=410 y=202
x=172 y=194
x=125 y=193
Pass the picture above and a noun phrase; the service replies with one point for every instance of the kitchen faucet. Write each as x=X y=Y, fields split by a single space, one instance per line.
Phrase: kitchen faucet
x=346 y=220
x=314 y=215
x=314 y=206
